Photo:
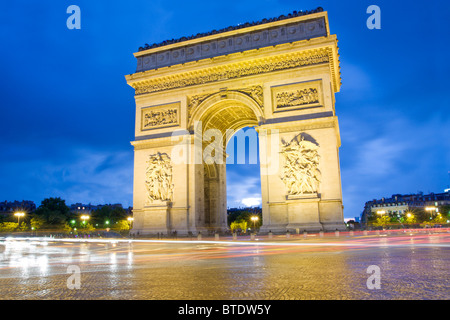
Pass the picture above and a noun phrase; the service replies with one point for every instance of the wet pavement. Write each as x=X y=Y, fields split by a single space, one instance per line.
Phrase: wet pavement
x=412 y=266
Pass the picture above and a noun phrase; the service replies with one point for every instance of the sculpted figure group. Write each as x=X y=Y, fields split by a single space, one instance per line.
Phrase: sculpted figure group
x=300 y=172
x=159 y=177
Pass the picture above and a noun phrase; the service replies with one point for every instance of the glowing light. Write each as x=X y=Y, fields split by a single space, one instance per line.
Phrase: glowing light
x=84 y=218
x=19 y=215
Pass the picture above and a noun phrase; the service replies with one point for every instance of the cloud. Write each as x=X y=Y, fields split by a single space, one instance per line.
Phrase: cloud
x=251 y=202
x=391 y=154
x=243 y=186
x=84 y=175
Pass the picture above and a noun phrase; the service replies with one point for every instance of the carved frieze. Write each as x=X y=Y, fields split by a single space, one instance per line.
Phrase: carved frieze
x=160 y=117
x=301 y=173
x=158 y=178
x=297 y=97
x=232 y=71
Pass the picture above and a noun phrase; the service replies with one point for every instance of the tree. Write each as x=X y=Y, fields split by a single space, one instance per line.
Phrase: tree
x=67 y=228
x=411 y=219
x=88 y=227
x=239 y=224
x=54 y=211
x=240 y=216
x=234 y=226
x=107 y=213
x=122 y=225
x=23 y=226
x=382 y=221
x=439 y=219
x=445 y=210
x=36 y=222
x=8 y=226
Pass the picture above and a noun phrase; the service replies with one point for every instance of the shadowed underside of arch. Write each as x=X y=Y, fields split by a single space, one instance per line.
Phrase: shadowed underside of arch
x=228 y=110
x=227 y=113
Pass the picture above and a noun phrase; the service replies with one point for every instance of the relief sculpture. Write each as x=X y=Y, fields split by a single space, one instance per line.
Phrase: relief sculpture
x=158 y=118
x=300 y=172
x=298 y=97
x=159 y=178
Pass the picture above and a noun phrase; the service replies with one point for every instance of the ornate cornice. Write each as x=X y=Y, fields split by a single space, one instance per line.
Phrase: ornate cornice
x=234 y=70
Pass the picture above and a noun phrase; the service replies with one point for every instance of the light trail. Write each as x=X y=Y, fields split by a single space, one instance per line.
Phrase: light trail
x=422 y=240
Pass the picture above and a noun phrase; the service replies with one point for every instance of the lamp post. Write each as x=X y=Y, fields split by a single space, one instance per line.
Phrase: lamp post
x=431 y=209
x=381 y=212
x=84 y=218
x=254 y=219
x=130 y=221
x=19 y=215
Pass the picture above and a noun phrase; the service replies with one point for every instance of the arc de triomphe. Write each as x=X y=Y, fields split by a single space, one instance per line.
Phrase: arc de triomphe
x=278 y=75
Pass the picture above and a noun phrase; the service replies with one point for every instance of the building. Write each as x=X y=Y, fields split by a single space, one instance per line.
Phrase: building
x=9 y=207
x=400 y=204
x=279 y=75
x=79 y=208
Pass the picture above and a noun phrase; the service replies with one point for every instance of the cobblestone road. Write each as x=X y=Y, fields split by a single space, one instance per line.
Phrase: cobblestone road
x=411 y=267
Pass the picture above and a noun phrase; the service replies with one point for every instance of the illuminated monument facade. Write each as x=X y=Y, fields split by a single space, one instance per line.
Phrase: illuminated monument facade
x=279 y=76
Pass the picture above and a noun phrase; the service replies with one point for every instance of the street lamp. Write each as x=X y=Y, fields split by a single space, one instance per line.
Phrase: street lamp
x=84 y=218
x=381 y=212
x=431 y=209
x=19 y=215
x=130 y=221
x=254 y=219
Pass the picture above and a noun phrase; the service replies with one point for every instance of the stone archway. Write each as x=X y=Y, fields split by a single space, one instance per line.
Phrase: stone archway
x=279 y=76
x=223 y=113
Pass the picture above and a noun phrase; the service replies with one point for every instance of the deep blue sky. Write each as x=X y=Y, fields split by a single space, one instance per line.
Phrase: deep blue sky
x=67 y=114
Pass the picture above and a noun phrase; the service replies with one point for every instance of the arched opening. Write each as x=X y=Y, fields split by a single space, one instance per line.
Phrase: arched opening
x=243 y=171
x=227 y=122
x=244 y=199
